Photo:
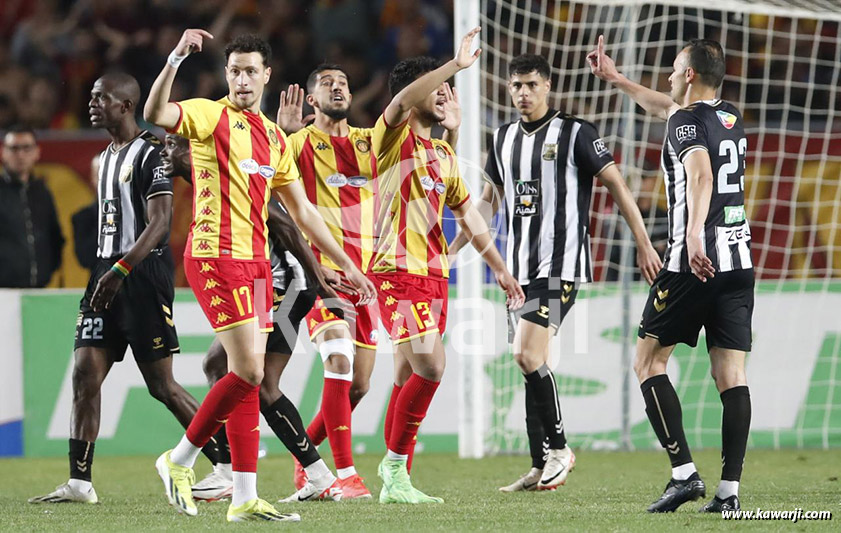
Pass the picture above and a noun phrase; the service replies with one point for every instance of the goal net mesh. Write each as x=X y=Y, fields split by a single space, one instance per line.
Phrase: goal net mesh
x=782 y=73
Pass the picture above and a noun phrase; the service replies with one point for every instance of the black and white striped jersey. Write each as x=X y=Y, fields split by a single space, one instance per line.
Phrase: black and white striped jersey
x=546 y=169
x=286 y=268
x=716 y=127
x=128 y=177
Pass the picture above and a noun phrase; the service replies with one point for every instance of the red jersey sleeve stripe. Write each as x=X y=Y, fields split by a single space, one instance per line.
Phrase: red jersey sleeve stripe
x=257 y=185
x=222 y=140
x=180 y=120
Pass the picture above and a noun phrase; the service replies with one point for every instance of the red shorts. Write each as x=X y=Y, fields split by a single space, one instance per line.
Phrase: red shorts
x=232 y=292
x=411 y=306
x=364 y=327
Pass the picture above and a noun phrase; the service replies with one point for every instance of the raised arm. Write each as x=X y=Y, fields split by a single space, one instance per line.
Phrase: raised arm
x=655 y=103
x=398 y=109
x=647 y=258
x=310 y=221
x=158 y=109
x=699 y=190
x=474 y=226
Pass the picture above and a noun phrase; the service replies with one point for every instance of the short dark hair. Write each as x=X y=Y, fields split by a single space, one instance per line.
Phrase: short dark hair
x=247 y=43
x=318 y=70
x=18 y=129
x=526 y=63
x=408 y=70
x=707 y=60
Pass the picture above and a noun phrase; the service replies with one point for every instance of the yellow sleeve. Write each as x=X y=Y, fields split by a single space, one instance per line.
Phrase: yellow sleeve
x=286 y=170
x=386 y=141
x=199 y=117
x=296 y=142
x=457 y=192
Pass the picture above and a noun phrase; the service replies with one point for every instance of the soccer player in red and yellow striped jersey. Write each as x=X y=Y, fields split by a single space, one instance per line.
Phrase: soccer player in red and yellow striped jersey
x=238 y=157
x=339 y=176
x=417 y=177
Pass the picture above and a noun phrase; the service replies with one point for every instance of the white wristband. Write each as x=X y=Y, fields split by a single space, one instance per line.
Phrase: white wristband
x=175 y=60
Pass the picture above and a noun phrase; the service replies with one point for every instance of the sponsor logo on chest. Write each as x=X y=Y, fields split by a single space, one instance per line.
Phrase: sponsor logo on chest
x=526 y=198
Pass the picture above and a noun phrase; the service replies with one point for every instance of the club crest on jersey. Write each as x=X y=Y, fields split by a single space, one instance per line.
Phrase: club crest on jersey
x=249 y=166
x=685 y=133
x=267 y=172
x=440 y=188
x=363 y=146
x=600 y=147
x=728 y=120
x=273 y=136
x=357 y=181
x=550 y=151
x=441 y=152
x=336 y=180
x=125 y=173
x=427 y=183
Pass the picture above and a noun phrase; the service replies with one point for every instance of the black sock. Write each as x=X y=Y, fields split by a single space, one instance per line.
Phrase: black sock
x=735 y=426
x=220 y=445
x=542 y=384
x=81 y=459
x=663 y=409
x=286 y=423
x=534 y=430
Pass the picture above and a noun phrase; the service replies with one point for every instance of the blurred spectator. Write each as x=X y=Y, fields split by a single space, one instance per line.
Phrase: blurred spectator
x=85 y=221
x=30 y=235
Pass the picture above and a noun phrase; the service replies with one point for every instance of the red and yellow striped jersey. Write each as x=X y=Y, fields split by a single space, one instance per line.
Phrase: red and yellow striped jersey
x=237 y=158
x=417 y=178
x=339 y=175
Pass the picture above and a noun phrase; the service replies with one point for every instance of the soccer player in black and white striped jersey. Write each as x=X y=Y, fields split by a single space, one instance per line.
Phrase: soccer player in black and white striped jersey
x=543 y=166
x=128 y=300
x=708 y=280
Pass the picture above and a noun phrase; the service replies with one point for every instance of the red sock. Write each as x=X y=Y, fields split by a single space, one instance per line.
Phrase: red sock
x=412 y=404
x=389 y=413
x=217 y=406
x=244 y=433
x=335 y=409
x=316 y=431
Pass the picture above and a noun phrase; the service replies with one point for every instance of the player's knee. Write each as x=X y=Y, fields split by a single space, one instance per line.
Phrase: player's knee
x=432 y=370
x=269 y=395
x=214 y=367
x=358 y=389
x=338 y=363
x=252 y=374
x=526 y=362
x=162 y=391
x=337 y=355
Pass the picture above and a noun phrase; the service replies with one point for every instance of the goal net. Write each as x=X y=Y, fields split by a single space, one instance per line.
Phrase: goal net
x=782 y=72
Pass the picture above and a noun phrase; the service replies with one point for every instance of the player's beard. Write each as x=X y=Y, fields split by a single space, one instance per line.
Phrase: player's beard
x=430 y=116
x=336 y=113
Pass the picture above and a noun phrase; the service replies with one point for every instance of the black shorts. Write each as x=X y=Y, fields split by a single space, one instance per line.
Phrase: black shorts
x=140 y=315
x=547 y=303
x=289 y=310
x=679 y=304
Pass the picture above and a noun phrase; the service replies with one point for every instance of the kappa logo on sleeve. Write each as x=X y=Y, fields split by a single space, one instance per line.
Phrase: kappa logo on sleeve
x=686 y=133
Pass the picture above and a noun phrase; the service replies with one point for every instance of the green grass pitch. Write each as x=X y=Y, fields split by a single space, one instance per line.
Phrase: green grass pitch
x=608 y=491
